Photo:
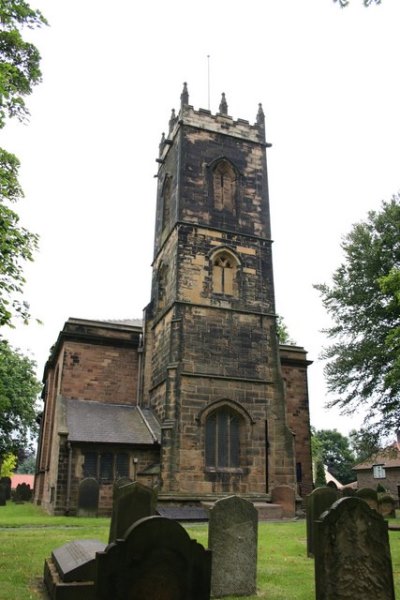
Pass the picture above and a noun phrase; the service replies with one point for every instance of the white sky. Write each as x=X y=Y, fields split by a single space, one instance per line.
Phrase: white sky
x=112 y=72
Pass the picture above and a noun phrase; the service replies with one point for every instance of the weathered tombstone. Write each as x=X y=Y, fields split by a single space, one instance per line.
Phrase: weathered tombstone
x=6 y=481
x=70 y=572
x=157 y=559
x=386 y=505
x=285 y=496
x=232 y=539
x=352 y=554
x=88 y=497
x=348 y=492
x=369 y=495
x=320 y=500
x=23 y=493
x=131 y=502
x=3 y=495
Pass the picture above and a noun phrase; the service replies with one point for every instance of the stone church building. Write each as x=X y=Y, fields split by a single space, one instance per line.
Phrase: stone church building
x=199 y=398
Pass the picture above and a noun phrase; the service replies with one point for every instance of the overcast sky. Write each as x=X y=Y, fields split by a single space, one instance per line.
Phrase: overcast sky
x=112 y=72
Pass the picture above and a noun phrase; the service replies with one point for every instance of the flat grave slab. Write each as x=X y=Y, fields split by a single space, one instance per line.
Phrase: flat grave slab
x=75 y=561
x=183 y=513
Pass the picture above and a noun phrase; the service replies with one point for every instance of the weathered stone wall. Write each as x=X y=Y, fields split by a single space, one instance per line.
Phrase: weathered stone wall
x=391 y=481
x=294 y=370
x=99 y=373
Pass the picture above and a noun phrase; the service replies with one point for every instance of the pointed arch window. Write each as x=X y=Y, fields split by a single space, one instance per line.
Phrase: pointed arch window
x=162 y=284
x=224 y=268
x=224 y=186
x=166 y=201
x=222 y=439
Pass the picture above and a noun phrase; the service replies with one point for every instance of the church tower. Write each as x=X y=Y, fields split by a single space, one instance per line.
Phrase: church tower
x=211 y=356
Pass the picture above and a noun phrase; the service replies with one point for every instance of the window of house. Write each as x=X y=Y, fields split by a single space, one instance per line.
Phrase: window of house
x=224 y=267
x=121 y=465
x=379 y=472
x=224 y=186
x=222 y=443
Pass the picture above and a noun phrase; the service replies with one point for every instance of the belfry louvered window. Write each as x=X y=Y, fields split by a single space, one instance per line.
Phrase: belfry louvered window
x=222 y=439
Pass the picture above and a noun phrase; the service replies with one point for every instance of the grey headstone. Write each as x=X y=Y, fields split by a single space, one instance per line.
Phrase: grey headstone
x=6 y=481
x=3 y=494
x=75 y=561
x=232 y=539
x=156 y=559
x=352 y=554
x=131 y=502
x=320 y=500
x=369 y=495
x=88 y=497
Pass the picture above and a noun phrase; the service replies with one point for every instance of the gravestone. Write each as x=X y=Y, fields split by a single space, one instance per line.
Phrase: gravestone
x=23 y=493
x=352 y=554
x=320 y=500
x=156 y=560
x=70 y=572
x=285 y=496
x=3 y=495
x=232 y=539
x=88 y=497
x=131 y=502
x=6 y=481
x=369 y=495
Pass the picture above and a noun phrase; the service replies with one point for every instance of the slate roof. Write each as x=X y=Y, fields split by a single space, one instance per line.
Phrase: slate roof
x=388 y=457
x=110 y=423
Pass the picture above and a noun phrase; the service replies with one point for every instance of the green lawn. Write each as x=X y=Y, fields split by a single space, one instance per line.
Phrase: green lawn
x=27 y=537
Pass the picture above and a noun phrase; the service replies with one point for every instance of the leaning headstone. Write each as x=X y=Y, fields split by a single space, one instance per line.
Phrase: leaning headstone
x=369 y=495
x=386 y=505
x=320 y=500
x=3 y=495
x=6 y=481
x=156 y=559
x=352 y=554
x=70 y=572
x=131 y=502
x=232 y=539
x=285 y=496
x=88 y=497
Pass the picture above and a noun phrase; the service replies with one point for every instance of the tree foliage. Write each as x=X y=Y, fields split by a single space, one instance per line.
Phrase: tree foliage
x=344 y=3
x=19 y=390
x=8 y=465
x=283 y=332
x=363 y=364
x=19 y=72
x=333 y=450
x=364 y=444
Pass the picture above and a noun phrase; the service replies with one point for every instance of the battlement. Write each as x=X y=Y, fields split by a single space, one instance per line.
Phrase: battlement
x=221 y=122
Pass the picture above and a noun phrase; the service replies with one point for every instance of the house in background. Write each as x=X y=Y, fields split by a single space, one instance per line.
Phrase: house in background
x=200 y=398
x=381 y=468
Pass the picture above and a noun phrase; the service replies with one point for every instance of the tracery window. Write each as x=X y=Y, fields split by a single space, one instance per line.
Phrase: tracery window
x=222 y=440
x=224 y=186
x=224 y=267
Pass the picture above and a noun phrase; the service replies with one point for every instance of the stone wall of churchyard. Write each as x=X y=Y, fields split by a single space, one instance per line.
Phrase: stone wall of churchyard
x=99 y=373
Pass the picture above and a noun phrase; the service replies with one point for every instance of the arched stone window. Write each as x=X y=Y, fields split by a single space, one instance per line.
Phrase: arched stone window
x=161 y=284
x=166 y=201
x=224 y=186
x=222 y=439
x=224 y=269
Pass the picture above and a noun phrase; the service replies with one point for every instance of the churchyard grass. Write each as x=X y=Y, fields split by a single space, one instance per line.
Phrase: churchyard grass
x=28 y=535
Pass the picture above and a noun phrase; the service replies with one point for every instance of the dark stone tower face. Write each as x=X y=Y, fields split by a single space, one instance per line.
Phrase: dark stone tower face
x=211 y=356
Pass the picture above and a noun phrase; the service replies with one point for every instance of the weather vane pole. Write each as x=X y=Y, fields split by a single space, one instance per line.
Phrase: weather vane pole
x=208 y=80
